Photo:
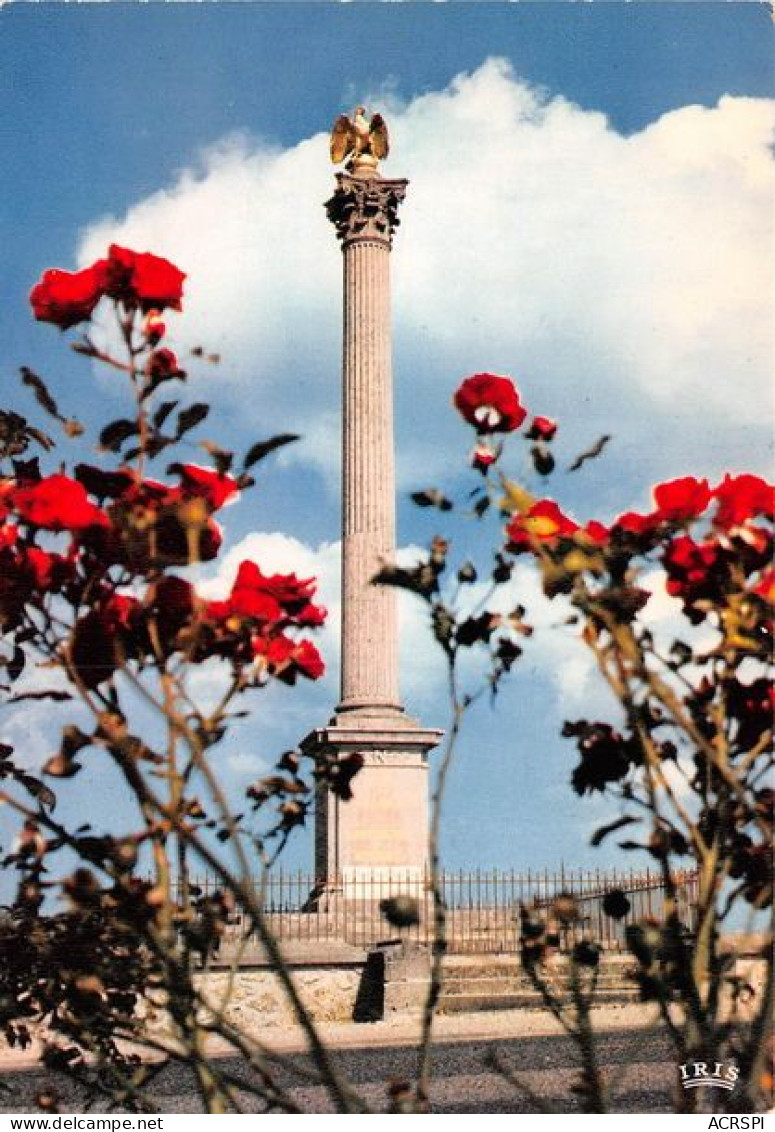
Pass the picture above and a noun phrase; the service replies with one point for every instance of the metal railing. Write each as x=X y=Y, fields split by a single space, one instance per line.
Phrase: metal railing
x=482 y=905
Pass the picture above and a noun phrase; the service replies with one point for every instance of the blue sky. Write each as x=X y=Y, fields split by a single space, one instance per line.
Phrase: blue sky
x=589 y=210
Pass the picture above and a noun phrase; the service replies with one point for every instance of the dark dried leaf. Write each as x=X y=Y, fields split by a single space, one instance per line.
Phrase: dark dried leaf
x=543 y=460
x=163 y=411
x=401 y=911
x=114 y=434
x=432 y=497
x=189 y=418
x=42 y=395
x=615 y=904
x=221 y=458
x=39 y=790
x=57 y=696
x=15 y=666
x=467 y=573
x=475 y=629
x=603 y=831
x=27 y=471
x=590 y=453
x=264 y=447
x=85 y=347
x=42 y=438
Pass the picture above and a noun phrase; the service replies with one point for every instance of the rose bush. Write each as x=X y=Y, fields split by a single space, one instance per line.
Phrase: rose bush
x=688 y=759
x=96 y=587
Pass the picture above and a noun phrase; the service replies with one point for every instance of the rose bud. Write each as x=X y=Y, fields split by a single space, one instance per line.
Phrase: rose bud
x=541 y=428
x=483 y=456
x=154 y=327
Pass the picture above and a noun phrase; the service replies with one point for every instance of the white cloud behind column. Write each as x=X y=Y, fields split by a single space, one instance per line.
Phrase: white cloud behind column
x=615 y=276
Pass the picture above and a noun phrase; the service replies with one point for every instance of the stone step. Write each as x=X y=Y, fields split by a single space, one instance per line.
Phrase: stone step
x=522 y=1000
x=496 y=984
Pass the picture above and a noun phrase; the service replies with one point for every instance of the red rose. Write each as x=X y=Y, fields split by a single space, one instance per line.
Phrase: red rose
x=276 y=651
x=9 y=536
x=144 y=278
x=291 y=592
x=164 y=364
x=49 y=571
x=308 y=660
x=250 y=598
x=596 y=532
x=490 y=403
x=740 y=498
x=68 y=297
x=544 y=522
x=216 y=488
x=58 y=503
x=286 y=659
x=680 y=499
x=635 y=524
x=689 y=566
x=311 y=615
x=541 y=428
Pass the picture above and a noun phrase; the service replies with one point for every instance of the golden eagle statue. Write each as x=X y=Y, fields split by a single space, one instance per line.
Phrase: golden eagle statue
x=364 y=142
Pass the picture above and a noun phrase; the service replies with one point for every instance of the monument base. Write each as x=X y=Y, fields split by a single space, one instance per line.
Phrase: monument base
x=380 y=835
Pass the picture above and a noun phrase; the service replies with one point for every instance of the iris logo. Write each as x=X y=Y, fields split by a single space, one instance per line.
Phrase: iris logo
x=709 y=1074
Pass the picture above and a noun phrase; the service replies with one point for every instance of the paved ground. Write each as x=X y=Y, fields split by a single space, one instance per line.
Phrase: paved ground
x=639 y=1064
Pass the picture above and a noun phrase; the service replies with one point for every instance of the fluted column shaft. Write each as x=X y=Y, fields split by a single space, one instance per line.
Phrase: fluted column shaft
x=369 y=616
x=364 y=212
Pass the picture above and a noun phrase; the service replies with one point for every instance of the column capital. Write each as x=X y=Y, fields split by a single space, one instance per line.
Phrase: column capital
x=365 y=208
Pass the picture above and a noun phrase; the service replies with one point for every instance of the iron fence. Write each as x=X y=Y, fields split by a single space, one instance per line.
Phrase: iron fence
x=482 y=906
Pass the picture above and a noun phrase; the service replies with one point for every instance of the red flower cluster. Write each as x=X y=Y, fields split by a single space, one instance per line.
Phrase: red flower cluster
x=544 y=522
x=490 y=403
x=258 y=613
x=738 y=499
x=126 y=530
x=137 y=279
x=691 y=568
x=152 y=522
x=27 y=574
x=250 y=628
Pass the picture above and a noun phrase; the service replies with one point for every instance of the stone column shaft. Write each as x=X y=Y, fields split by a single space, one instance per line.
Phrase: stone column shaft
x=369 y=615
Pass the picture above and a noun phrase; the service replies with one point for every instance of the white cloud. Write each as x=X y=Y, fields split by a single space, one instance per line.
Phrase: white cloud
x=604 y=271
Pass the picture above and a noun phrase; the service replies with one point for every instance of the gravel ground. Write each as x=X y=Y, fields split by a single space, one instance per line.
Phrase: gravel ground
x=637 y=1061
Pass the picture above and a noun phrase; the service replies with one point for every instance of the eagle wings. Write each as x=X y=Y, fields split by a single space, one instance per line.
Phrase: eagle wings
x=353 y=137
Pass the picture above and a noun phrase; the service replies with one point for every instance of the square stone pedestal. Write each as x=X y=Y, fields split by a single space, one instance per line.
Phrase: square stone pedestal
x=379 y=836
